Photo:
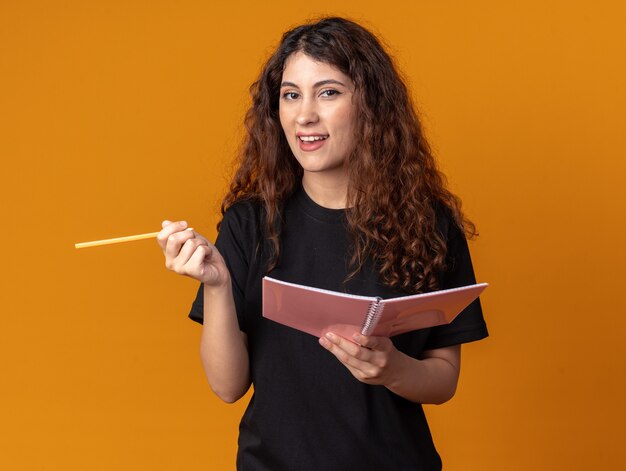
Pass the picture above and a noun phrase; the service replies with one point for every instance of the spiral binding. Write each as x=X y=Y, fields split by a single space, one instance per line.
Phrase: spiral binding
x=371 y=319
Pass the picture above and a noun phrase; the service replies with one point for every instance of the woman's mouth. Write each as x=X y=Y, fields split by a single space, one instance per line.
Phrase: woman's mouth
x=312 y=142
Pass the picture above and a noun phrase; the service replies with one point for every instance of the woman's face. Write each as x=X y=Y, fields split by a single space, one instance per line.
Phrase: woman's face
x=316 y=113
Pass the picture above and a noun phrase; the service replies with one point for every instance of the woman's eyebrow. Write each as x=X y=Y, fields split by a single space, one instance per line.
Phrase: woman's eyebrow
x=316 y=84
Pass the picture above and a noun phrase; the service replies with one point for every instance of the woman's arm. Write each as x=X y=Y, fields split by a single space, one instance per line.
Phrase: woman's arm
x=431 y=380
x=223 y=348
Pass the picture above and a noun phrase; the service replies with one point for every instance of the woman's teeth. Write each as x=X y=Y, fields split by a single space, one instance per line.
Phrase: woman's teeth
x=312 y=138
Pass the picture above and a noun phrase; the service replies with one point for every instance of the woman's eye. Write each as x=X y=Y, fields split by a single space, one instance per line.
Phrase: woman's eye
x=329 y=92
x=290 y=95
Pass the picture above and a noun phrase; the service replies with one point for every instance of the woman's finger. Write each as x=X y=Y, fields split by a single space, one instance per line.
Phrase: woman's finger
x=371 y=342
x=197 y=266
x=200 y=255
x=347 y=352
x=187 y=250
x=175 y=242
x=355 y=350
x=168 y=230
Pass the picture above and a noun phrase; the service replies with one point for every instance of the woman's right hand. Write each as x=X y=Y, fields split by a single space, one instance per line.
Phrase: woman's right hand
x=190 y=254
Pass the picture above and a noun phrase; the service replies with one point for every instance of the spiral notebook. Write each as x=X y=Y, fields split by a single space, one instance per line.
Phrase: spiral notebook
x=317 y=311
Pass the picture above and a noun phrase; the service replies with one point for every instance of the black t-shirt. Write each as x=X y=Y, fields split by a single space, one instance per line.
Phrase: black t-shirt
x=308 y=412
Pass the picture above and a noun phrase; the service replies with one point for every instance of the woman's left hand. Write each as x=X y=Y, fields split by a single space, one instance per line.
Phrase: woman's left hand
x=375 y=360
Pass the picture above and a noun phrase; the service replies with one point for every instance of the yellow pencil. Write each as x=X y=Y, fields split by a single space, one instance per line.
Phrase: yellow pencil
x=117 y=240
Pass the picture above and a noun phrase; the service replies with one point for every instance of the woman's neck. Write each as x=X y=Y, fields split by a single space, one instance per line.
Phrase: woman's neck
x=328 y=193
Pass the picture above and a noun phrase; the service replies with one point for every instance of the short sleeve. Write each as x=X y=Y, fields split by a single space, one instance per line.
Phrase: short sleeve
x=469 y=325
x=236 y=242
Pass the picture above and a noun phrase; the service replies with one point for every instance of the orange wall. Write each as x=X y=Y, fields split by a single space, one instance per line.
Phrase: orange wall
x=117 y=114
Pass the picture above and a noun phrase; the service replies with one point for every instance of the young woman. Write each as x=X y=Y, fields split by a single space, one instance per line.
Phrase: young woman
x=337 y=189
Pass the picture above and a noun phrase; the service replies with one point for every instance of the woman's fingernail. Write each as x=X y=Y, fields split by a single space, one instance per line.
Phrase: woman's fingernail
x=183 y=223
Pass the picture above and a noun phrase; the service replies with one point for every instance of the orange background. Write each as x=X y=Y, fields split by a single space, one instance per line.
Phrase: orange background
x=117 y=114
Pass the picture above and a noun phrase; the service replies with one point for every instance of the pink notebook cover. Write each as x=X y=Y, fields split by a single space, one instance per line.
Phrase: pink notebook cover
x=317 y=311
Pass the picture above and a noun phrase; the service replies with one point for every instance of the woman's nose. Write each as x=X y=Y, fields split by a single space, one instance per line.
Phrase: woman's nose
x=307 y=113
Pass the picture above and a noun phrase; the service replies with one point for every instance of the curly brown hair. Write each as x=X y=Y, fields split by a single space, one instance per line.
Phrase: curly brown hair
x=395 y=187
